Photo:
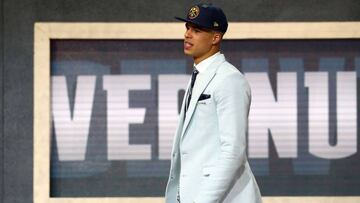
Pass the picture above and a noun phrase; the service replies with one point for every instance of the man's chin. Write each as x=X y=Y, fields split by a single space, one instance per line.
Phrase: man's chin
x=188 y=53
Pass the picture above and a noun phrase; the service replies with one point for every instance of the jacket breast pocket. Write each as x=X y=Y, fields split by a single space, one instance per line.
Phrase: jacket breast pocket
x=204 y=99
x=205 y=113
x=205 y=102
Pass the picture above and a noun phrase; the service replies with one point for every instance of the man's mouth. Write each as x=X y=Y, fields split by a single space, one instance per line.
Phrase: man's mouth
x=187 y=45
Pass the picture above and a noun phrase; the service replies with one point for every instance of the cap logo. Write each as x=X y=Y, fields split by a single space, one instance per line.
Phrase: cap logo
x=216 y=24
x=194 y=12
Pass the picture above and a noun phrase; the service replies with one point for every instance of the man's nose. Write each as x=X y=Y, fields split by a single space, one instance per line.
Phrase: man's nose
x=187 y=33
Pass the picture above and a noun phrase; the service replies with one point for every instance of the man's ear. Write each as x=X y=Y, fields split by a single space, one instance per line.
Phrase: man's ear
x=217 y=38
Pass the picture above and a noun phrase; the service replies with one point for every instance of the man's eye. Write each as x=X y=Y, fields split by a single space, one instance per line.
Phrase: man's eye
x=196 y=30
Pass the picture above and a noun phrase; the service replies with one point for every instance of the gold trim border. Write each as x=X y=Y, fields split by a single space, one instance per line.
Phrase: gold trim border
x=43 y=32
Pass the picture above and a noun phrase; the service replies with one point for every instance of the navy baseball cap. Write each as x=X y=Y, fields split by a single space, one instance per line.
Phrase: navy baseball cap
x=207 y=16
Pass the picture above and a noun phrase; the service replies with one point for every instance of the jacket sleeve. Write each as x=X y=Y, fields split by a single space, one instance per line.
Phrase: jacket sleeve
x=233 y=99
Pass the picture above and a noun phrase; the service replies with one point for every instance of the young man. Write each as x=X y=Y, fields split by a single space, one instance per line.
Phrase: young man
x=209 y=162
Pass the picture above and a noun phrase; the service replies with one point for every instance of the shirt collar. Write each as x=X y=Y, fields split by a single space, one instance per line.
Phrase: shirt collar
x=202 y=66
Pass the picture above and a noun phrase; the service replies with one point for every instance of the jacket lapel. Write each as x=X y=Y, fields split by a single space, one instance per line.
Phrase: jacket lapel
x=181 y=120
x=201 y=83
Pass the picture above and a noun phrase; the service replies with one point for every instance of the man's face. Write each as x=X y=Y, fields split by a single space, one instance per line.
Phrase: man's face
x=197 y=41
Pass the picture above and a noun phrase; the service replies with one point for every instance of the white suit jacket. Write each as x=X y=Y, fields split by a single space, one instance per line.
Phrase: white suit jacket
x=209 y=162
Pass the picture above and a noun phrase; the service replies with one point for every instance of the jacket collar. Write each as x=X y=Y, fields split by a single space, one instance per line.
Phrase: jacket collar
x=201 y=83
x=202 y=66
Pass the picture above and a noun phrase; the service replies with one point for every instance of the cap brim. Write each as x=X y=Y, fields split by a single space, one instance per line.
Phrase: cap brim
x=193 y=22
x=185 y=20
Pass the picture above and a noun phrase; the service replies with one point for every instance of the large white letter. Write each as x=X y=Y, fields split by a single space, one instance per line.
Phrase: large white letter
x=169 y=86
x=277 y=116
x=119 y=116
x=317 y=82
x=72 y=133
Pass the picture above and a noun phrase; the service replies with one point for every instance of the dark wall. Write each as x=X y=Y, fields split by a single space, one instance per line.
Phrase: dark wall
x=236 y=10
x=1 y=100
x=16 y=57
x=17 y=100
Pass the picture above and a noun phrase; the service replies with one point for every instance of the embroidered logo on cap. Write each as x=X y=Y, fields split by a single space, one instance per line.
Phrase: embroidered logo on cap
x=216 y=24
x=194 y=12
